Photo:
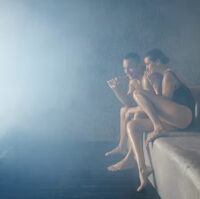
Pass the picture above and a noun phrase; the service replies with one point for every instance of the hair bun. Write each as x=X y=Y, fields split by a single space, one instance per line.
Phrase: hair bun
x=155 y=54
x=165 y=60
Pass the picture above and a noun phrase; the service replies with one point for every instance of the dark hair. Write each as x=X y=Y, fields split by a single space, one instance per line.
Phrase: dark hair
x=155 y=54
x=133 y=56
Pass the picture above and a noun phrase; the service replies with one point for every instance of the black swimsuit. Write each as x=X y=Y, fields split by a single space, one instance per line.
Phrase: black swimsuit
x=182 y=95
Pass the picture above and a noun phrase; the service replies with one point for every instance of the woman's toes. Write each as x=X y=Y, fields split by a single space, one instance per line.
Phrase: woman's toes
x=114 y=151
x=110 y=168
x=142 y=186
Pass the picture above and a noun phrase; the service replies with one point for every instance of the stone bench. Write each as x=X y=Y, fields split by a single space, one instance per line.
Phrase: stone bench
x=176 y=161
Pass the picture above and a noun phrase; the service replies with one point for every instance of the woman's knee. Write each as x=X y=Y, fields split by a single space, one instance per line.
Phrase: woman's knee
x=133 y=126
x=137 y=94
x=129 y=126
x=123 y=111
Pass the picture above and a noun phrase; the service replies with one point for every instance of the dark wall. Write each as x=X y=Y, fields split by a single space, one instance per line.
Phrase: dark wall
x=57 y=55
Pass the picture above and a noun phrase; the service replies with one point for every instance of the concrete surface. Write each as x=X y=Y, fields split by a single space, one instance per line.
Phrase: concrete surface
x=176 y=164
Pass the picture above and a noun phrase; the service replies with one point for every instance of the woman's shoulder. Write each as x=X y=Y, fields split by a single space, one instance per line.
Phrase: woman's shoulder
x=177 y=75
x=171 y=74
x=169 y=70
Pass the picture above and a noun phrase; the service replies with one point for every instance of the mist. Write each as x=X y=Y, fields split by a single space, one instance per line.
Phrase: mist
x=55 y=58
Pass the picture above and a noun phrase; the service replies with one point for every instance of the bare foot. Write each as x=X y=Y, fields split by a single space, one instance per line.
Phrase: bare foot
x=155 y=134
x=144 y=174
x=116 y=150
x=123 y=165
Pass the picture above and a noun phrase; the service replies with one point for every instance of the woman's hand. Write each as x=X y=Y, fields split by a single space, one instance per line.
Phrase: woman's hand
x=113 y=83
x=148 y=75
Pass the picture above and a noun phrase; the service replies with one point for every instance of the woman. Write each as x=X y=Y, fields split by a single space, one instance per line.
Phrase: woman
x=150 y=84
x=173 y=110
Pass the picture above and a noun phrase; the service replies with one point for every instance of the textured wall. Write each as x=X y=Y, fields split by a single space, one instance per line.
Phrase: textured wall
x=62 y=52
x=139 y=26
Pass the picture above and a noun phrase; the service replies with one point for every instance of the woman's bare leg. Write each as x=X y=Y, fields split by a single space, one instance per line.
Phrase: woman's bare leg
x=122 y=143
x=162 y=110
x=126 y=163
x=129 y=160
x=135 y=131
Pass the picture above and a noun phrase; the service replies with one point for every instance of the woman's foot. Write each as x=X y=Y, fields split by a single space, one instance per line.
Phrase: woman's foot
x=158 y=132
x=144 y=174
x=117 y=150
x=123 y=165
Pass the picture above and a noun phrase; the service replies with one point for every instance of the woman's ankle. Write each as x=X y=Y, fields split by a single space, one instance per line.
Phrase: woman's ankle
x=142 y=168
x=158 y=127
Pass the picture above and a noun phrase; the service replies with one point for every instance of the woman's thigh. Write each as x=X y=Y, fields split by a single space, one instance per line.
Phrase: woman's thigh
x=145 y=125
x=172 y=113
x=140 y=125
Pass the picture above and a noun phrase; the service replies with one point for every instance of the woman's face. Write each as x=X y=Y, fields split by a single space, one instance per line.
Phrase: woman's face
x=131 y=69
x=150 y=65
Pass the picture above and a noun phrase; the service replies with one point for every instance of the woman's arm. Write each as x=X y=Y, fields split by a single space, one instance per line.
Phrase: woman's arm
x=169 y=84
x=121 y=96
x=133 y=84
x=155 y=80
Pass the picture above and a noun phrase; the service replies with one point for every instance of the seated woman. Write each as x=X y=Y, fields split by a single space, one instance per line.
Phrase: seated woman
x=173 y=110
x=150 y=84
x=134 y=71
